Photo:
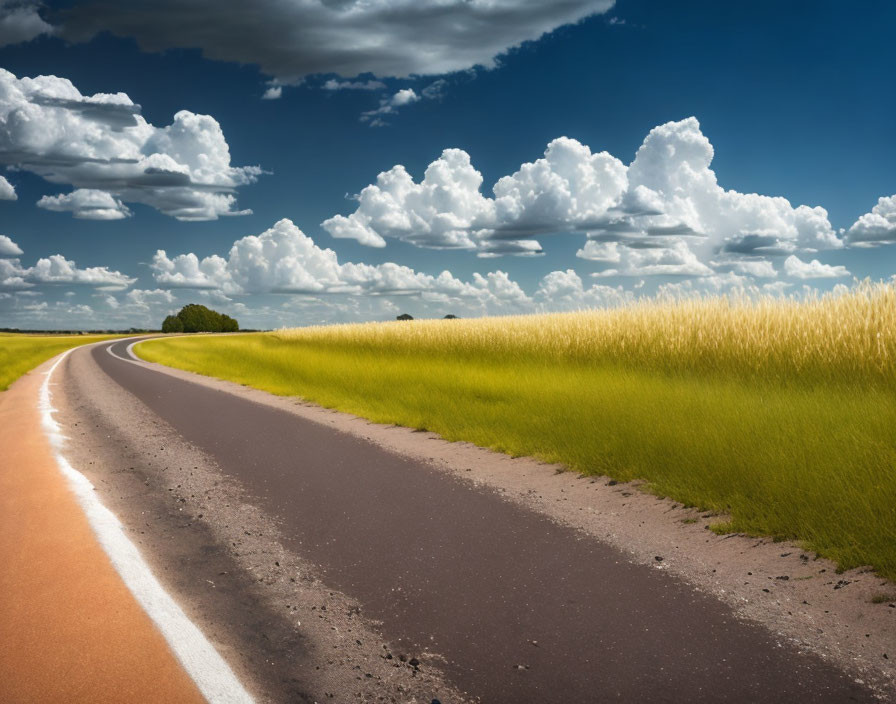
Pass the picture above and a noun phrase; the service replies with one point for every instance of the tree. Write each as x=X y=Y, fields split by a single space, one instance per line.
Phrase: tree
x=172 y=324
x=404 y=316
x=451 y=316
x=198 y=318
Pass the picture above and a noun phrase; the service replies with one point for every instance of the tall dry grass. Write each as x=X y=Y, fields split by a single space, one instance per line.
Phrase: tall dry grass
x=846 y=337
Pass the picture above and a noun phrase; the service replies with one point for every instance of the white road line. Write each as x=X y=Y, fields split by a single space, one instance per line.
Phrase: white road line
x=133 y=358
x=130 y=351
x=198 y=657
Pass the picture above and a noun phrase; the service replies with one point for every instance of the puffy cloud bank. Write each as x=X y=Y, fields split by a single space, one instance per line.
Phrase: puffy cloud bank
x=662 y=214
x=101 y=145
x=877 y=227
x=797 y=268
x=56 y=270
x=291 y=40
x=87 y=203
x=53 y=270
x=283 y=259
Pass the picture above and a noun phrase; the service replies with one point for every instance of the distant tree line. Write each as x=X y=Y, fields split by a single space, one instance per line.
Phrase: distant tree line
x=106 y=331
x=198 y=318
x=408 y=316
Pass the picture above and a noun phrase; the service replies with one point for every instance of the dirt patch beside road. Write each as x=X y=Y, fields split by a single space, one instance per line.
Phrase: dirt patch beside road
x=70 y=630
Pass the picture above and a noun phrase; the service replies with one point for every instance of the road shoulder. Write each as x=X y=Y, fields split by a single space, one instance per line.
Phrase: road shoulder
x=71 y=630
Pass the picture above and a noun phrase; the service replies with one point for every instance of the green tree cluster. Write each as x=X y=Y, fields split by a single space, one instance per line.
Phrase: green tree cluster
x=198 y=318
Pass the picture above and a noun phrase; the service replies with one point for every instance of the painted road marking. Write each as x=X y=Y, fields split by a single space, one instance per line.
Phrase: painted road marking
x=200 y=660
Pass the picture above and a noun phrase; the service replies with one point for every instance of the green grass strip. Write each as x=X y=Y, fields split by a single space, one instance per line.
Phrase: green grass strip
x=22 y=353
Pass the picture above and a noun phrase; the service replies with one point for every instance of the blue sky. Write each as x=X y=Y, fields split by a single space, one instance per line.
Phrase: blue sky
x=792 y=101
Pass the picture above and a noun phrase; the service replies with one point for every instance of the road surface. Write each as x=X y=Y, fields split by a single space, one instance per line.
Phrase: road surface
x=498 y=601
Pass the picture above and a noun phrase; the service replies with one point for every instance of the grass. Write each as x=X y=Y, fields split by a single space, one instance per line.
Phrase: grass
x=883 y=599
x=21 y=353
x=779 y=414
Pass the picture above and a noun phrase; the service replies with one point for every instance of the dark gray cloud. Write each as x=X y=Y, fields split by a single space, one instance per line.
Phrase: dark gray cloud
x=519 y=248
x=335 y=85
x=20 y=21
x=290 y=40
x=116 y=115
x=679 y=230
x=647 y=243
x=756 y=244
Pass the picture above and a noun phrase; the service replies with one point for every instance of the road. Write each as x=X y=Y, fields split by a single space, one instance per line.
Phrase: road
x=499 y=601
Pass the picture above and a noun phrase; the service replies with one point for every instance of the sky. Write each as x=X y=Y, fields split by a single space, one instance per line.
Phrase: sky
x=304 y=162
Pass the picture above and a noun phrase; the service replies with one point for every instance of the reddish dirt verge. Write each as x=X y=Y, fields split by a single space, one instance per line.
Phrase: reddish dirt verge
x=70 y=629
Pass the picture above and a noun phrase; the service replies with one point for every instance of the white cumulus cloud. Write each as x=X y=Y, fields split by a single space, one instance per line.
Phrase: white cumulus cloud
x=188 y=271
x=798 y=269
x=405 y=96
x=760 y=268
x=8 y=248
x=86 y=203
x=675 y=260
x=663 y=214
x=877 y=227
x=283 y=259
x=564 y=290
x=274 y=92
x=57 y=270
x=673 y=162
x=148 y=298
x=442 y=211
x=101 y=143
x=600 y=252
x=7 y=192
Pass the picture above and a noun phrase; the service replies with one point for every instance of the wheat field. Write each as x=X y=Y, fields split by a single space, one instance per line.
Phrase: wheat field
x=850 y=337
x=778 y=414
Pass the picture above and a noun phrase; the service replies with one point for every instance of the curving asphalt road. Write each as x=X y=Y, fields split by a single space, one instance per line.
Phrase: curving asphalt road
x=521 y=608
